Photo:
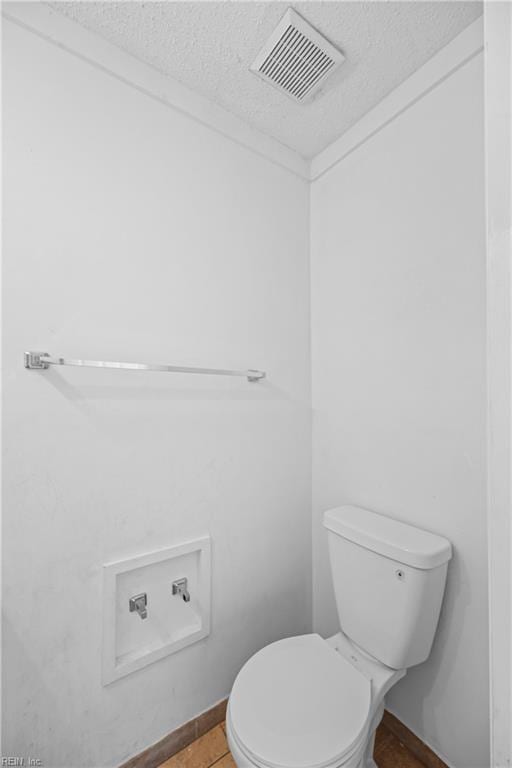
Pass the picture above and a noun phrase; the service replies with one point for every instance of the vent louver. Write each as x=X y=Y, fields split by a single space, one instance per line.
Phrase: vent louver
x=296 y=59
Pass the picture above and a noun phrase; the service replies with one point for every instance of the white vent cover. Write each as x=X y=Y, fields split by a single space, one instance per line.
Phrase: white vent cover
x=296 y=58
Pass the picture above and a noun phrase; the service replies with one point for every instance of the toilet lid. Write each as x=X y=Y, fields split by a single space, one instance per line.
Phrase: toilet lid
x=299 y=704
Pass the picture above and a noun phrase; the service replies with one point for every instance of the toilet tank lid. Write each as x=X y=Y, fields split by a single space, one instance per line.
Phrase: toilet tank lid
x=391 y=538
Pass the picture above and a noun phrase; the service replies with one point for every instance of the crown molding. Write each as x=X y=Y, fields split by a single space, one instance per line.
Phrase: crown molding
x=43 y=21
x=448 y=60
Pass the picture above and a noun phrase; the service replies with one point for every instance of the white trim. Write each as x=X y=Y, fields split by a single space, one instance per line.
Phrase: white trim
x=55 y=28
x=1 y=430
x=450 y=58
x=112 y=667
x=498 y=124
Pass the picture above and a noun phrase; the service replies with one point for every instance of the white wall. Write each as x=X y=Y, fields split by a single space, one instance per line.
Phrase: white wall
x=398 y=353
x=132 y=232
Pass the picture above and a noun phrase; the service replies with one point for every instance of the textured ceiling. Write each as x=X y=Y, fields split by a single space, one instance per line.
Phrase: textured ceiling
x=209 y=46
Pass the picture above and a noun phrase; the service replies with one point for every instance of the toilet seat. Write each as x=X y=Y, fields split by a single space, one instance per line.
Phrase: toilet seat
x=245 y=759
x=299 y=704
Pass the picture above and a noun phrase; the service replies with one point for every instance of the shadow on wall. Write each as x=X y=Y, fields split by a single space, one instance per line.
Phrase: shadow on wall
x=437 y=672
x=232 y=390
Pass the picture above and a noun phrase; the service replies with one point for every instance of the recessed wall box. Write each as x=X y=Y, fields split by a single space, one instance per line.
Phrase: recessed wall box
x=169 y=624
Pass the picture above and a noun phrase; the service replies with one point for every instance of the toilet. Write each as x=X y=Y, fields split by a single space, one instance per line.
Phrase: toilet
x=308 y=702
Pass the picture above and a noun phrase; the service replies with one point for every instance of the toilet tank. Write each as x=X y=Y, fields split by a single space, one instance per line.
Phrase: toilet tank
x=389 y=580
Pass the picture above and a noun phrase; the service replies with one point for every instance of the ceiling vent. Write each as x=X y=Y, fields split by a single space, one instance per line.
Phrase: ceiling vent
x=296 y=59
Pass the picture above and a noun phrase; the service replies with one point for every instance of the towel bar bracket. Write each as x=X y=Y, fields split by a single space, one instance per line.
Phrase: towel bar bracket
x=34 y=362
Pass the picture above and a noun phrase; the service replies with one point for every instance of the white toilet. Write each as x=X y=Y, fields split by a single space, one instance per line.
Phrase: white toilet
x=306 y=702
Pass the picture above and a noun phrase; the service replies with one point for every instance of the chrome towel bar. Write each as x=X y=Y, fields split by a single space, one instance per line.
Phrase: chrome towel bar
x=42 y=360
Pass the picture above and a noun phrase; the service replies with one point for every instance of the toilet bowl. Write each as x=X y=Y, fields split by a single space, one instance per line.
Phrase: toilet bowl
x=307 y=702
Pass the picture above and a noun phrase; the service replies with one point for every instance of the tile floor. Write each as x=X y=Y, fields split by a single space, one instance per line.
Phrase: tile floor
x=212 y=750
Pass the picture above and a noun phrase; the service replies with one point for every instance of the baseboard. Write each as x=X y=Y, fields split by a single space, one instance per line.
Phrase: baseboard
x=158 y=753
x=413 y=743
x=174 y=742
